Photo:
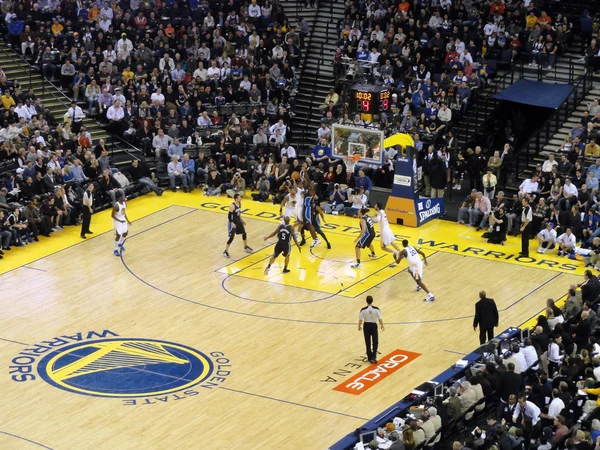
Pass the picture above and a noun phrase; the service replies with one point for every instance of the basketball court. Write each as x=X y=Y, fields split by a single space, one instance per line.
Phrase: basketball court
x=174 y=346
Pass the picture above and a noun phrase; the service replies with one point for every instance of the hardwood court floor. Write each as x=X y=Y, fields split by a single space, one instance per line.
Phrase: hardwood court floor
x=172 y=310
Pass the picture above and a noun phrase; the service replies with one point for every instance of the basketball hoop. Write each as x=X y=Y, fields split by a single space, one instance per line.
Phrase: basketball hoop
x=350 y=162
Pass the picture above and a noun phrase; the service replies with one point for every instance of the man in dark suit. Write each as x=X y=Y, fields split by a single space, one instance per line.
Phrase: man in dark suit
x=591 y=289
x=486 y=317
x=512 y=383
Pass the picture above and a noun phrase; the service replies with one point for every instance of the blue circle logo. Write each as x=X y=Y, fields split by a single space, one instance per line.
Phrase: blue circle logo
x=125 y=367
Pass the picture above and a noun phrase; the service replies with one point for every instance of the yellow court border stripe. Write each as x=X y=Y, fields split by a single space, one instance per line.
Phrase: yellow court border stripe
x=438 y=235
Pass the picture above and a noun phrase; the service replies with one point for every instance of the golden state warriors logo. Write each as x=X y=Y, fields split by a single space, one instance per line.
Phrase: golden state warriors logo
x=125 y=368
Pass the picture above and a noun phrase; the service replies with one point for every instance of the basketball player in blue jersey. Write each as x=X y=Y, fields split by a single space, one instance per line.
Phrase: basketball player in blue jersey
x=284 y=233
x=365 y=238
x=236 y=224
x=318 y=216
x=309 y=217
x=121 y=224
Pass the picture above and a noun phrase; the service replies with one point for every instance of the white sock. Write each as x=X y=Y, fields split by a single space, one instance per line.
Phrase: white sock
x=121 y=240
x=430 y=295
x=116 y=245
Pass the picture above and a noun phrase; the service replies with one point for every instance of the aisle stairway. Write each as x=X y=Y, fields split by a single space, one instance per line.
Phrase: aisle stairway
x=317 y=77
x=555 y=143
x=17 y=69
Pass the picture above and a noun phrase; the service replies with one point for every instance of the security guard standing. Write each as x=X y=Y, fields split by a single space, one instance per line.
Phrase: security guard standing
x=369 y=316
x=87 y=210
x=526 y=218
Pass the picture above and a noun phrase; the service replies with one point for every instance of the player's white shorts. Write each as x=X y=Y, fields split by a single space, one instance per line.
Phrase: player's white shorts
x=387 y=237
x=120 y=228
x=417 y=270
x=289 y=212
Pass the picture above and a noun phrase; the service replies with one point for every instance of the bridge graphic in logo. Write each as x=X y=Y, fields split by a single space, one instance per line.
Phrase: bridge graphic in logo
x=125 y=368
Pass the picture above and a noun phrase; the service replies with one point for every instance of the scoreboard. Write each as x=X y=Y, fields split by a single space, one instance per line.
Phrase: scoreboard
x=370 y=99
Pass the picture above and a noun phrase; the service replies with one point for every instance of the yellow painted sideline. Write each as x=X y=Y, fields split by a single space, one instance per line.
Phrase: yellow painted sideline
x=438 y=235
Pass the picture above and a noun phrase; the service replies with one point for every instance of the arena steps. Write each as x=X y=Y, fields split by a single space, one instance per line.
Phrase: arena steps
x=29 y=77
x=317 y=75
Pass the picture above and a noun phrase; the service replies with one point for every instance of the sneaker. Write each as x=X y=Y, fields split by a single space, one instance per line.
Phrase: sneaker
x=116 y=253
x=267 y=270
x=248 y=249
x=122 y=247
x=316 y=242
x=355 y=265
x=302 y=242
x=418 y=288
x=328 y=246
x=539 y=250
x=372 y=255
x=286 y=270
x=226 y=254
x=429 y=299
x=334 y=213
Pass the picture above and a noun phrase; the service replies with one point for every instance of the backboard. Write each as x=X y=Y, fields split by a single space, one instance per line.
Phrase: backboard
x=350 y=141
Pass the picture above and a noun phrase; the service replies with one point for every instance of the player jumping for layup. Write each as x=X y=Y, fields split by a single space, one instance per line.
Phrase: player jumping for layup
x=236 y=225
x=121 y=224
x=284 y=233
x=365 y=239
x=320 y=215
x=309 y=217
x=386 y=236
x=415 y=266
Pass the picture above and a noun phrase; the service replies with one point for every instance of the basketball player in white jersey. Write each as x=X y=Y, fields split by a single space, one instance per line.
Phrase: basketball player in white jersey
x=289 y=205
x=121 y=224
x=386 y=236
x=415 y=266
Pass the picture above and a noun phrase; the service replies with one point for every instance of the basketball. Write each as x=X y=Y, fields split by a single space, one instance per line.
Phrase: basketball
x=295 y=175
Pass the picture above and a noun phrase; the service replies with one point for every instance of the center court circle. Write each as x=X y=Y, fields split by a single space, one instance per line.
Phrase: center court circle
x=270 y=317
x=125 y=368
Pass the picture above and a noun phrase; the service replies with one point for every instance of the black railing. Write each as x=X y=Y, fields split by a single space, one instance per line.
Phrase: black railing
x=483 y=107
x=543 y=134
x=24 y=65
x=543 y=73
x=60 y=96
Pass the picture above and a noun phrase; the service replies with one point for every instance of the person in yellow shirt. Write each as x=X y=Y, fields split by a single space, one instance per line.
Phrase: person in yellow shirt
x=7 y=100
x=127 y=74
x=594 y=391
x=592 y=150
x=531 y=20
x=57 y=28
x=94 y=13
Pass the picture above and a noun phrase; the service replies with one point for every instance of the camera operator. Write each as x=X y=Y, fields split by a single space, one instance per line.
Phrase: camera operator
x=358 y=200
x=238 y=186
x=498 y=224
x=336 y=201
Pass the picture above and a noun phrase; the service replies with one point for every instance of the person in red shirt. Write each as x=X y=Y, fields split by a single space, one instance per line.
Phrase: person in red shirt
x=404 y=6
x=498 y=7
x=545 y=20
x=140 y=21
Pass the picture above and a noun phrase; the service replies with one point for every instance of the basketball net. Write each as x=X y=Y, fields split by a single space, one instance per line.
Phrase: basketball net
x=350 y=162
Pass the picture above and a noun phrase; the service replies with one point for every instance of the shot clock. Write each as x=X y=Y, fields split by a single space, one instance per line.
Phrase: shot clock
x=371 y=99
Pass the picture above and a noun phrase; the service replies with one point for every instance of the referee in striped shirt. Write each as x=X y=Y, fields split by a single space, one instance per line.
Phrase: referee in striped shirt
x=367 y=319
